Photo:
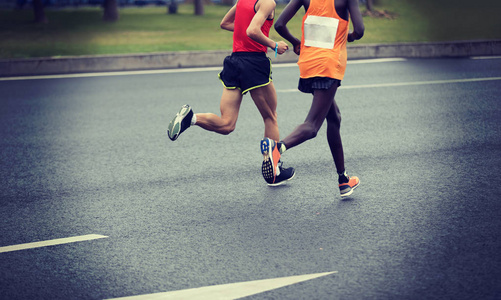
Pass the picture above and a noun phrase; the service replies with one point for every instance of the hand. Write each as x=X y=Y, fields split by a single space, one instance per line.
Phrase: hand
x=282 y=47
x=297 y=48
x=350 y=37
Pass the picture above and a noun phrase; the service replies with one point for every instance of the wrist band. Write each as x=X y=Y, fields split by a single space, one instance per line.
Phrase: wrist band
x=276 y=49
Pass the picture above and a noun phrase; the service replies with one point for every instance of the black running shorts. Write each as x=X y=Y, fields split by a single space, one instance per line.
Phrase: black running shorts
x=246 y=71
x=308 y=85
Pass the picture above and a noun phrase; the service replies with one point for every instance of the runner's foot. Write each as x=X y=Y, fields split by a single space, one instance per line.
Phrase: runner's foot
x=271 y=156
x=347 y=184
x=285 y=175
x=180 y=123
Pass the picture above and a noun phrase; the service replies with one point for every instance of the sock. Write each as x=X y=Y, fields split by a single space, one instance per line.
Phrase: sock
x=281 y=147
x=194 y=119
x=343 y=177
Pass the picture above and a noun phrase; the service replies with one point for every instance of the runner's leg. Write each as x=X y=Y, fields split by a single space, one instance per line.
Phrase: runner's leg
x=334 y=136
x=322 y=101
x=229 y=106
x=265 y=99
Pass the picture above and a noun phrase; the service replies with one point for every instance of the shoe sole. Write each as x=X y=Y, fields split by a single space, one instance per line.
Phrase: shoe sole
x=175 y=125
x=350 y=191
x=283 y=181
x=267 y=167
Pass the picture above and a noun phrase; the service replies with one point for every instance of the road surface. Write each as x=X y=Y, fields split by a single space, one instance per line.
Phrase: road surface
x=97 y=202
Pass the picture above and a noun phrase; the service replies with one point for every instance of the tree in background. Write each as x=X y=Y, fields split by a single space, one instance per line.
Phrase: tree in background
x=199 y=7
x=369 y=4
x=110 y=10
x=39 y=12
x=172 y=7
x=375 y=13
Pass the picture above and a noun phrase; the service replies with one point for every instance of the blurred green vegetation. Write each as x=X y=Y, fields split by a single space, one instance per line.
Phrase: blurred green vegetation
x=81 y=31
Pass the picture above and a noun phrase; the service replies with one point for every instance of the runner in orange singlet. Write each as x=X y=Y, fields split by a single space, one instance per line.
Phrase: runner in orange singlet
x=322 y=63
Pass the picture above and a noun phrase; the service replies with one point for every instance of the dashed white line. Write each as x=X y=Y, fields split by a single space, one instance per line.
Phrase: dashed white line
x=231 y=290
x=74 y=239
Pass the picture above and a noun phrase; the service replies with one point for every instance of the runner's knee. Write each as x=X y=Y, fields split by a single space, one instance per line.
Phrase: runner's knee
x=334 y=121
x=334 y=117
x=227 y=129
x=309 y=130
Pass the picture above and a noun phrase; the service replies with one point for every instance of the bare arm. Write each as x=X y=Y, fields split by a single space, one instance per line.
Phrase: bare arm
x=228 y=21
x=357 y=20
x=281 y=24
x=265 y=8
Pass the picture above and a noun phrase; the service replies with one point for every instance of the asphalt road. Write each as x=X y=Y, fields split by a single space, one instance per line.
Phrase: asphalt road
x=89 y=155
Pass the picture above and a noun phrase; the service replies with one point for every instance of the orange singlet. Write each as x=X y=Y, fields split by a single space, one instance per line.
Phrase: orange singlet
x=323 y=43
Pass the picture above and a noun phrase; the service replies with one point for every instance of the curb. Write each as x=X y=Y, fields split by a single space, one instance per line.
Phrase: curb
x=189 y=59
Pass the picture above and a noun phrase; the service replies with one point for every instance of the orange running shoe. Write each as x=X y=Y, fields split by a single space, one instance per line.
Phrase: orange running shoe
x=271 y=156
x=347 y=188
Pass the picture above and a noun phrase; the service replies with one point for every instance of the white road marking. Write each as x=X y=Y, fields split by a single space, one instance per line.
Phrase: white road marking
x=51 y=242
x=104 y=74
x=395 y=84
x=231 y=290
x=166 y=71
x=350 y=62
x=375 y=60
x=486 y=57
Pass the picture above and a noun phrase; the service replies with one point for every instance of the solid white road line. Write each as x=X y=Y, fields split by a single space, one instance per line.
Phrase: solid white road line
x=395 y=84
x=231 y=290
x=350 y=62
x=51 y=242
x=375 y=60
x=486 y=57
x=166 y=71
x=104 y=74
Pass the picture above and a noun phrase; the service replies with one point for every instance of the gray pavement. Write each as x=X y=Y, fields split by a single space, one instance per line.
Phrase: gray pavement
x=168 y=60
x=89 y=155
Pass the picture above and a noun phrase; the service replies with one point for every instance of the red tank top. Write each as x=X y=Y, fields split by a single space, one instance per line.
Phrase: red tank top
x=243 y=16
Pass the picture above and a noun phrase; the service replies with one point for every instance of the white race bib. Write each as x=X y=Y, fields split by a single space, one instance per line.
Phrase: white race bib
x=320 y=32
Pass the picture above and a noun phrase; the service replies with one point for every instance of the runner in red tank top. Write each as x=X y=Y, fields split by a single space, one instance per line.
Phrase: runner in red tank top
x=241 y=41
x=248 y=69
